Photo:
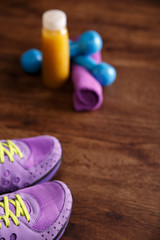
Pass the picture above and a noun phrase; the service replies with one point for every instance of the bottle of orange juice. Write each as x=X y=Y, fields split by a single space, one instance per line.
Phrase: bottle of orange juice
x=55 y=48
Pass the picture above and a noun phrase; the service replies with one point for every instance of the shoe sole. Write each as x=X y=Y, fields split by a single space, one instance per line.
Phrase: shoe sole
x=59 y=235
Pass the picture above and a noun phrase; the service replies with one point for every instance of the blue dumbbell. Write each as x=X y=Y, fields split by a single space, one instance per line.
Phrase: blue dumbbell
x=103 y=72
x=31 y=61
x=88 y=43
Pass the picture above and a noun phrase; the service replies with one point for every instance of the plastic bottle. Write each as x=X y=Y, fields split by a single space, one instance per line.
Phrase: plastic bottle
x=55 y=48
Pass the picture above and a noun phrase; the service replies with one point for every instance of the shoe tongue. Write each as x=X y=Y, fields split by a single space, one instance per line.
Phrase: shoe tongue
x=1 y=211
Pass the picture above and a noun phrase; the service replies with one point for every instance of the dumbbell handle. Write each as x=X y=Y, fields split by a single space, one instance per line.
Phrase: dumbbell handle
x=85 y=61
x=74 y=48
x=103 y=72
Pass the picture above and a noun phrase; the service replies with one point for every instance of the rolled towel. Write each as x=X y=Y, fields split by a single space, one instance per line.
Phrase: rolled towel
x=88 y=94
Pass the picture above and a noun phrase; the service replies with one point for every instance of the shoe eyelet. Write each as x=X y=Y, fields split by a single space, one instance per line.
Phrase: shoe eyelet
x=13 y=236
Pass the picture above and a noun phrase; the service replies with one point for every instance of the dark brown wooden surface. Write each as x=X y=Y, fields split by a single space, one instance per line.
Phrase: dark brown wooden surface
x=111 y=157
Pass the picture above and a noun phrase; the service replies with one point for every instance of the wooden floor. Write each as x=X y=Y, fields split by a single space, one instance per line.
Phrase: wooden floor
x=111 y=157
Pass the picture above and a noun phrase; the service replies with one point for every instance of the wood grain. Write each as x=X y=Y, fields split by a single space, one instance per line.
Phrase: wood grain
x=111 y=156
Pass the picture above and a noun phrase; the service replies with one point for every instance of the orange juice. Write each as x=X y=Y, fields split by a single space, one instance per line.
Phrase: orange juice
x=55 y=49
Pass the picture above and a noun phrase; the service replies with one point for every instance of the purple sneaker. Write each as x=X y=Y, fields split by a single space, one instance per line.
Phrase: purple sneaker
x=24 y=162
x=40 y=212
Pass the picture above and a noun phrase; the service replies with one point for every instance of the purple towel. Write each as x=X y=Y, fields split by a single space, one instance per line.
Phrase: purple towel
x=88 y=93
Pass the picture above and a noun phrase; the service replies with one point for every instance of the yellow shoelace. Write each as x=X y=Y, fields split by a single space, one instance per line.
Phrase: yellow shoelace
x=12 y=148
x=20 y=210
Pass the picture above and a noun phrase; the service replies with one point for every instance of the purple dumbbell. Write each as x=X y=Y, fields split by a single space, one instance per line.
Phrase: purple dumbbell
x=103 y=72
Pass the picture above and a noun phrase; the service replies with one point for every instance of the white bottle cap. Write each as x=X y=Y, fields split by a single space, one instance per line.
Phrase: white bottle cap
x=54 y=20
